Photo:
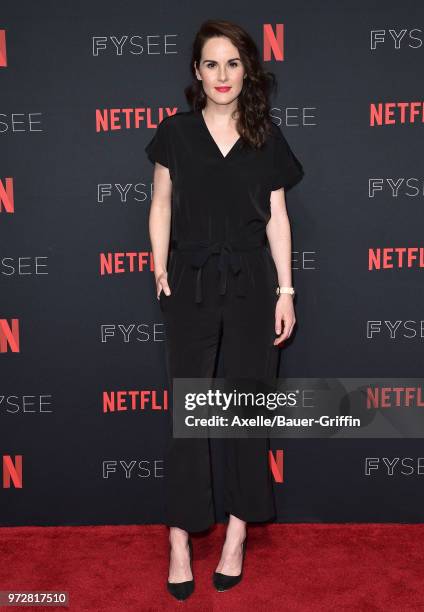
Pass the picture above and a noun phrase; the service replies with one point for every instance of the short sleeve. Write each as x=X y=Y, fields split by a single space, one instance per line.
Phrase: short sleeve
x=158 y=148
x=287 y=170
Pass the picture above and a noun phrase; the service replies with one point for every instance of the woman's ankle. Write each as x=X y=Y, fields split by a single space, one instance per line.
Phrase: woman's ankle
x=178 y=536
x=236 y=529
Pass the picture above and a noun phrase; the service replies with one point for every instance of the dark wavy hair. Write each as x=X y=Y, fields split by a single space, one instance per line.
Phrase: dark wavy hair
x=253 y=121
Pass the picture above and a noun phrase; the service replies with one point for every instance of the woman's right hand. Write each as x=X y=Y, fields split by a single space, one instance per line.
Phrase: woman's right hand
x=162 y=284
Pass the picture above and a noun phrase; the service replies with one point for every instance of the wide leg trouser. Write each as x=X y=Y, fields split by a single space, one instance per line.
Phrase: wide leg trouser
x=193 y=335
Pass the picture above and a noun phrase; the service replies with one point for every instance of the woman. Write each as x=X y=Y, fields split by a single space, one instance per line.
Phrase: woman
x=225 y=165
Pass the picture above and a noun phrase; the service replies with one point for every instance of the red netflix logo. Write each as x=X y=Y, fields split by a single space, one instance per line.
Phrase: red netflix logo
x=12 y=472
x=117 y=263
x=135 y=400
x=9 y=336
x=109 y=119
x=3 y=54
x=395 y=113
x=276 y=465
x=7 y=202
x=273 y=42
x=389 y=258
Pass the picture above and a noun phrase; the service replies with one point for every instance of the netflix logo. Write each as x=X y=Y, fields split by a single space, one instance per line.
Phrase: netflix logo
x=9 y=336
x=111 y=119
x=118 y=263
x=394 y=397
x=3 y=52
x=396 y=113
x=276 y=464
x=136 y=400
x=12 y=472
x=389 y=258
x=7 y=202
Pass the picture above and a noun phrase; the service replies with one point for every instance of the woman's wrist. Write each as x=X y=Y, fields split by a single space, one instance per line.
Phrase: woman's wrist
x=286 y=295
x=160 y=273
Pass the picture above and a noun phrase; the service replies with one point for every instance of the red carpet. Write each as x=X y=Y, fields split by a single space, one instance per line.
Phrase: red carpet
x=299 y=567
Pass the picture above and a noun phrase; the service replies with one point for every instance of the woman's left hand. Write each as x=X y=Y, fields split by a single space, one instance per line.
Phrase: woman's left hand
x=284 y=312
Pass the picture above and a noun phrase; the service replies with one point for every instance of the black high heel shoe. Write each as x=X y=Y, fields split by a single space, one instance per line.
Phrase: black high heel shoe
x=182 y=590
x=222 y=582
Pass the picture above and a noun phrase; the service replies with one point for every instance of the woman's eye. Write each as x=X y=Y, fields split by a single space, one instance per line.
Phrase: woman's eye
x=212 y=65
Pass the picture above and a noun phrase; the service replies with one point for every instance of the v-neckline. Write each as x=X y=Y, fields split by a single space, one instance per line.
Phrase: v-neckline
x=212 y=139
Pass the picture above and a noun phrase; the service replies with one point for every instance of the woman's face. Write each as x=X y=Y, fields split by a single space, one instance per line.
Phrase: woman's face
x=221 y=67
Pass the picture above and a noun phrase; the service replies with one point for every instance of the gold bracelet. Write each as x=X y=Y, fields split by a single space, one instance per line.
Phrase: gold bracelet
x=281 y=290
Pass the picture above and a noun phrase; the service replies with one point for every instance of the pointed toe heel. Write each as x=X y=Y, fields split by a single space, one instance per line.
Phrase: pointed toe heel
x=223 y=582
x=182 y=590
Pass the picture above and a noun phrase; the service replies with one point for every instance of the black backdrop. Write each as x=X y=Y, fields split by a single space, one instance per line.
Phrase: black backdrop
x=80 y=194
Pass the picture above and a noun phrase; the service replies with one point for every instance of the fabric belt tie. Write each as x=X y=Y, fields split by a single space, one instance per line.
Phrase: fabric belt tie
x=229 y=259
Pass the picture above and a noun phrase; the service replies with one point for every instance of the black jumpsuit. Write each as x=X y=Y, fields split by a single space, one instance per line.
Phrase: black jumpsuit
x=222 y=279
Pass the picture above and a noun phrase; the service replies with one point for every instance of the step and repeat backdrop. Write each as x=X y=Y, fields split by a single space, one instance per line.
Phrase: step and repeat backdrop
x=84 y=396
